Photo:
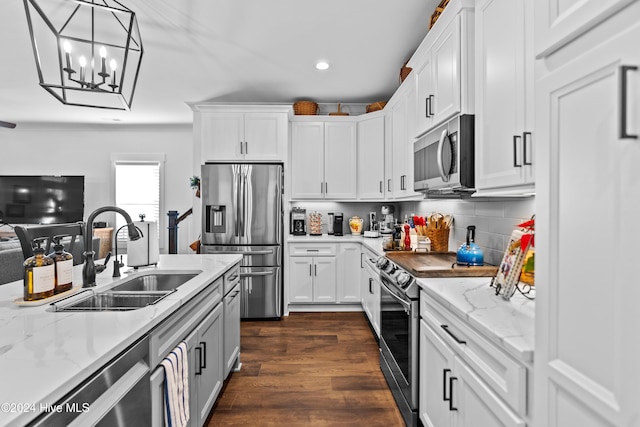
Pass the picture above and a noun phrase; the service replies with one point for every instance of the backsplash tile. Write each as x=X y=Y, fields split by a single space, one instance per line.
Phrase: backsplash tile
x=494 y=220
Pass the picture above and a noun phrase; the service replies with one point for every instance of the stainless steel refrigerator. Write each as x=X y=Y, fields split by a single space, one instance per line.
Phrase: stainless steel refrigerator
x=242 y=213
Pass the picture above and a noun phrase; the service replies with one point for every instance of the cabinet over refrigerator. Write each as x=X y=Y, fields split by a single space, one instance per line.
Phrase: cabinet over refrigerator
x=242 y=213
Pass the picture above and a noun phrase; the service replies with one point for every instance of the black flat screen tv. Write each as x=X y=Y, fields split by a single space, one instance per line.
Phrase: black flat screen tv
x=41 y=199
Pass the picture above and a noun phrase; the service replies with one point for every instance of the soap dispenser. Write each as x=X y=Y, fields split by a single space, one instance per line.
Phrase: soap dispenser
x=63 y=262
x=39 y=274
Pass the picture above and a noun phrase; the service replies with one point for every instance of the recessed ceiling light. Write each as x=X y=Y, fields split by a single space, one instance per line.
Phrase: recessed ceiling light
x=322 y=65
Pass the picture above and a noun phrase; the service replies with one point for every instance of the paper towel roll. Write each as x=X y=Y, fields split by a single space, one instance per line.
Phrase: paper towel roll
x=145 y=250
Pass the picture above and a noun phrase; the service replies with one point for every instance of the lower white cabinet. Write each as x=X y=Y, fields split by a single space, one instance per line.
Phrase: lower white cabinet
x=465 y=380
x=370 y=291
x=231 y=329
x=312 y=279
x=349 y=272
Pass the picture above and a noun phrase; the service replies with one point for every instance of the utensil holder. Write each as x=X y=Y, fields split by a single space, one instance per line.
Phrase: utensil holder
x=439 y=239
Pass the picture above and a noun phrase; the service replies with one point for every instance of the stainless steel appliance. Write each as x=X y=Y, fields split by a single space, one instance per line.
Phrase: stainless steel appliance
x=399 y=336
x=330 y=224
x=444 y=158
x=338 y=219
x=298 y=221
x=387 y=223
x=242 y=213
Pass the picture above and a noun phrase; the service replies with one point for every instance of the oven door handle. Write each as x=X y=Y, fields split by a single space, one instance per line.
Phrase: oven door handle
x=443 y=174
x=406 y=305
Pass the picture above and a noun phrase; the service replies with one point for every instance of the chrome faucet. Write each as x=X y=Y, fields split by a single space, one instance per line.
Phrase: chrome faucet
x=89 y=268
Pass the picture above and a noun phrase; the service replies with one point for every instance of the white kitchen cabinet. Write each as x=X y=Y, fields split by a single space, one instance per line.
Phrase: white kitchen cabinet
x=371 y=138
x=208 y=364
x=313 y=273
x=464 y=379
x=559 y=22
x=349 y=272
x=399 y=174
x=443 y=65
x=323 y=160
x=234 y=133
x=587 y=351
x=504 y=96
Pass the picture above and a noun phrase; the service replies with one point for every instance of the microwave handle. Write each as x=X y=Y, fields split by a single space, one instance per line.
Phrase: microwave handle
x=443 y=136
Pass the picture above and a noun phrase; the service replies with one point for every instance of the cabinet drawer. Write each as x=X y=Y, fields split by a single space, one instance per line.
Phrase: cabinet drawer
x=505 y=376
x=231 y=278
x=312 y=249
x=169 y=333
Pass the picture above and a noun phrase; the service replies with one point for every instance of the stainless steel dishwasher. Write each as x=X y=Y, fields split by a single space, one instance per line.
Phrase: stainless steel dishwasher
x=117 y=395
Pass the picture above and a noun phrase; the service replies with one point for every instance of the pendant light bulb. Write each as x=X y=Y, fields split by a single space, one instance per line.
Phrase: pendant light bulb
x=113 y=65
x=66 y=46
x=82 y=61
x=103 y=52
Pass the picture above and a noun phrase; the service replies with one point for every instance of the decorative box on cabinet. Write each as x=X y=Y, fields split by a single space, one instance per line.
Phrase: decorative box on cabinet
x=587 y=351
x=504 y=97
x=241 y=132
x=443 y=65
x=323 y=159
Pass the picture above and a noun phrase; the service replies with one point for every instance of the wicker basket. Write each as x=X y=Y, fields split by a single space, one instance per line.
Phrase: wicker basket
x=339 y=112
x=404 y=72
x=439 y=239
x=376 y=106
x=436 y=14
x=305 y=108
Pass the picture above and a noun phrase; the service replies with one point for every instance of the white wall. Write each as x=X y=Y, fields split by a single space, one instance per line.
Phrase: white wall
x=87 y=150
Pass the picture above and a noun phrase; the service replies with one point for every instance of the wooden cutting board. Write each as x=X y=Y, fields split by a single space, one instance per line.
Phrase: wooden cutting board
x=438 y=264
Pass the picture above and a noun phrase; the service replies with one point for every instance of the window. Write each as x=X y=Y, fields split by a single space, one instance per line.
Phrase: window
x=137 y=191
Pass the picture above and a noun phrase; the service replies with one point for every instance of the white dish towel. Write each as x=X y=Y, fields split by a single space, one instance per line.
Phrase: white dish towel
x=176 y=387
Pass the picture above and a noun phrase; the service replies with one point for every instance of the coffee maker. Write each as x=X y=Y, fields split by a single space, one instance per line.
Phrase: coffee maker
x=388 y=221
x=298 y=222
x=338 y=218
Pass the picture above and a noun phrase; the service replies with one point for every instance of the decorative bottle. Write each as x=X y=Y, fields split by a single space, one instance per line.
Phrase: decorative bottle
x=63 y=262
x=39 y=275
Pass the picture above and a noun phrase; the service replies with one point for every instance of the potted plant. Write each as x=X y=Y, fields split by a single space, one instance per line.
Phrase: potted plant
x=194 y=181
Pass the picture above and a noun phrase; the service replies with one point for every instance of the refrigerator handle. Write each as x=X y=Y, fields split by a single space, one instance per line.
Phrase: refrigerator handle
x=243 y=227
x=279 y=193
x=238 y=194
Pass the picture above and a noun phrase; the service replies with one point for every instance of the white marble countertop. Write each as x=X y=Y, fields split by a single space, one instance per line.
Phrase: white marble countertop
x=509 y=324
x=44 y=355
x=373 y=243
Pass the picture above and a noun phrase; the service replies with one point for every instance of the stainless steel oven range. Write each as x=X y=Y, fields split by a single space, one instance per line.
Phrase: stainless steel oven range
x=399 y=342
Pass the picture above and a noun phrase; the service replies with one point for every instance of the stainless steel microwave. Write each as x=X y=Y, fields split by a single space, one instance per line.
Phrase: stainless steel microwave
x=444 y=158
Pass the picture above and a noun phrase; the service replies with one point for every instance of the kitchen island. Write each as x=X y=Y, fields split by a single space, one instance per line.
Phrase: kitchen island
x=45 y=354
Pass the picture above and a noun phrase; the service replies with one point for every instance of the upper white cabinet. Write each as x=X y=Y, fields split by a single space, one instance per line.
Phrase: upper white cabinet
x=443 y=64
x=323 y=159
x=559 y=22
x=371 y=158
x=504 y=136
x=240 y=133
x=587 y=347
x=399 y=173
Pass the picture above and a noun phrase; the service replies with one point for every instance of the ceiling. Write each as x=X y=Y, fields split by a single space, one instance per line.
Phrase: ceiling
x=232 y=51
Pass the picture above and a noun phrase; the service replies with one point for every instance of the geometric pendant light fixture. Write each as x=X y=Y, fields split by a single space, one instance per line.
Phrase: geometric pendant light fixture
x=88 y=52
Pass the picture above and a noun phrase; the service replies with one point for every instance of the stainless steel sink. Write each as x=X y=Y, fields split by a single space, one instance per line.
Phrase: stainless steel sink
x=113 y=301
x=154 y=282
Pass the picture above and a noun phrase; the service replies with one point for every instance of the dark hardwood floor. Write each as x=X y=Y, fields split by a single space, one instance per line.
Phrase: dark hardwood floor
x=309 y=369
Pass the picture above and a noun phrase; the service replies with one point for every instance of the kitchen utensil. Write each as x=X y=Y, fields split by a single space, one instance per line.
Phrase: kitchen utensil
x=469 y=252
x=356 y=225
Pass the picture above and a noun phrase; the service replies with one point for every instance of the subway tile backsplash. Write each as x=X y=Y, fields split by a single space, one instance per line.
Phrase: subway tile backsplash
x=494 y=220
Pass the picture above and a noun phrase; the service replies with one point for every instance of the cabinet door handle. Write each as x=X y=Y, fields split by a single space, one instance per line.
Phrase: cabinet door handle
x=370 y=285
x=204 y=355
x=361 y=256
x=198 y=351
x=427 y=105
x=310 y=272
x=446 y=329
x=515 y=151
x=431 y=99
x=381 y=187
x=313 y=250
x=326 y=188
x=451 y=380
x=322 y=188
x=526 y=136
x=315 y=269
x=444 y=385
x=389 y=185
x=241 y=151
x=623 y=101
x=246 y=147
